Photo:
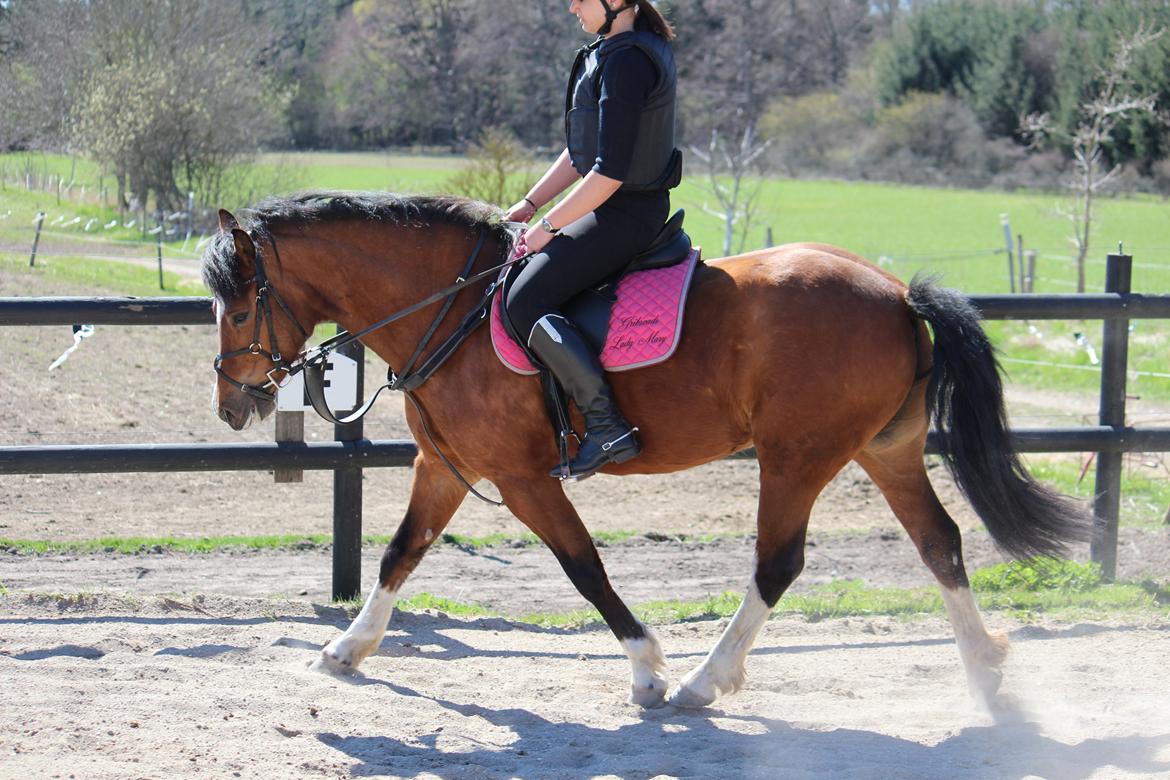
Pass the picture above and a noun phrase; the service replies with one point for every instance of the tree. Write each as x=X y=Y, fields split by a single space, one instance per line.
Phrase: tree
x=737 y=57
x=167 y=94
x=47 y=50
x=1100 y=114
x=439 y=71
x=173 y=96
x=727 y=167
x=302 y=35
x=994 y=56
x=1088 y=33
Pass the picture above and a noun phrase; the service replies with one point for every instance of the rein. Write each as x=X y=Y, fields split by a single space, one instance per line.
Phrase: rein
x=408 y=379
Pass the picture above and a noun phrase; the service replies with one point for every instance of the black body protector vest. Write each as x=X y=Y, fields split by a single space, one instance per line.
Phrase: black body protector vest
x=657 y=164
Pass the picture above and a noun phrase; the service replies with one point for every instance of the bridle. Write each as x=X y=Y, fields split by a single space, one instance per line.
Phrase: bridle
x=313 y=363
x=265 y=294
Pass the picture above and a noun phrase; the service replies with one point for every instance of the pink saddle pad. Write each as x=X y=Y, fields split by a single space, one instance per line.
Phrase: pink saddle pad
x=644 y=324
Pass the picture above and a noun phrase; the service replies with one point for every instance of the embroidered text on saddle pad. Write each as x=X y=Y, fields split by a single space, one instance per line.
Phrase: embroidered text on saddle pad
x=645 y=322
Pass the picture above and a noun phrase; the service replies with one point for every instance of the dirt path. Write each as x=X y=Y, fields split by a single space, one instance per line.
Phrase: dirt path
x=53 y=246
x=116 y=688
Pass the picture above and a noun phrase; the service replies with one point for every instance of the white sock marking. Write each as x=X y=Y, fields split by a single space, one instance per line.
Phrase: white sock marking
x=981 y=653
x=363 y=635
x=648 y=666
x=723 y=669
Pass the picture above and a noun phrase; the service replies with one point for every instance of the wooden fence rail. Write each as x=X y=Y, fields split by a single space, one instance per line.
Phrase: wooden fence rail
x=1110 y=439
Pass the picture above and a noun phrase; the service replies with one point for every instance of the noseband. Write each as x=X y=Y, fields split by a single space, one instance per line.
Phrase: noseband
x=265 y=294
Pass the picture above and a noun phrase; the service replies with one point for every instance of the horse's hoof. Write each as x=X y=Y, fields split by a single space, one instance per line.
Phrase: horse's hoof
x=649 y=698
x=690 y=699
x=984 y=686
x=330 y=664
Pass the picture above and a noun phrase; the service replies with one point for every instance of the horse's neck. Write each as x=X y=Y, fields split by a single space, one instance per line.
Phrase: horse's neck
x=361 y=275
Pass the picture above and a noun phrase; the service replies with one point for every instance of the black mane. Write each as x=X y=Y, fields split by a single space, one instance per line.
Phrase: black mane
x=221 y=272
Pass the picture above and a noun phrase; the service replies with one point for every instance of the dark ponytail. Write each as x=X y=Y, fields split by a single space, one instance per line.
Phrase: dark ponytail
x=649 y=18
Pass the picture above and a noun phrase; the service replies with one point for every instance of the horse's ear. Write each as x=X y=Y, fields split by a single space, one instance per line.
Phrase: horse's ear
x=245 y=251
x=227 y=221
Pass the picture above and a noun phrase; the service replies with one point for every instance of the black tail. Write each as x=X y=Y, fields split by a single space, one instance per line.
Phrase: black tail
x=965 y=395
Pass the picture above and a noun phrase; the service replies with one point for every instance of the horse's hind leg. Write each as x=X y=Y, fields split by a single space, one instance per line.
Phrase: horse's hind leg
x=542 y=506
x=786 y=499
x=435 y=494
x=899 y=472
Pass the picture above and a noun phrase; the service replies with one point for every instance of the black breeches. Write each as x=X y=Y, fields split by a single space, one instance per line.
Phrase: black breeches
x=585 y=252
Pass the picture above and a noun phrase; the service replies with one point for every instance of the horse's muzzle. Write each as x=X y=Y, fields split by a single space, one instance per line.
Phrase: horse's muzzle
x=239 y=416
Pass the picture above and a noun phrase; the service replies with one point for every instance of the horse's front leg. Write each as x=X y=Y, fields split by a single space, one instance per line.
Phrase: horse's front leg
x=435 y=494
x=543 y=507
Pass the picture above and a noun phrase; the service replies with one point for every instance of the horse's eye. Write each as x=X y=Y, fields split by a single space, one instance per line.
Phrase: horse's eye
x=240 y=319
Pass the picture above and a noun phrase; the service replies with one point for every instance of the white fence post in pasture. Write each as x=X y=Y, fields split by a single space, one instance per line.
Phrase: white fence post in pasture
x=1030 y=277
x=1020 y=260
x=39 y=221
x=190 y=217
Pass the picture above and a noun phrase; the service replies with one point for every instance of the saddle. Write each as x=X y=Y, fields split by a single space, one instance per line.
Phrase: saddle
x=632 y=318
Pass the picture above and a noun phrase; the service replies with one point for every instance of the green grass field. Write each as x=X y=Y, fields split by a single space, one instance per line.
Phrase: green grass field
x=949 y=231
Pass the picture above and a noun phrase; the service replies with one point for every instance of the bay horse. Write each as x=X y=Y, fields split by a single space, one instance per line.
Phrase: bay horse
x=807 y=352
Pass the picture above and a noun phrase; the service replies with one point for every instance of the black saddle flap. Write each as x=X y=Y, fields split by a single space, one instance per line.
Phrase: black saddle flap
x=669 y=247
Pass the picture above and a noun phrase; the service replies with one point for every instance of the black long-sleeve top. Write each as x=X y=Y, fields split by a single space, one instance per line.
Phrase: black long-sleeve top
x=627 y=77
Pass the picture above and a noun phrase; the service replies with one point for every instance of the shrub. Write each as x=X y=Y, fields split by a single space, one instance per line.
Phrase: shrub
x=811 y=133
x=498 y=169
x=1038 y=574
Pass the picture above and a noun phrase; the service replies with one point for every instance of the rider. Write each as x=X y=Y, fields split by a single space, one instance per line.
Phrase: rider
x=620 y=132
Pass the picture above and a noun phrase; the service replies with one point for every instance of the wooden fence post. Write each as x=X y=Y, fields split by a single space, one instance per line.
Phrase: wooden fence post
x=1007 y=238
x=32 y=260
x=1114 y=354
x=161 y=229
x=347 y=498
x=290 y=426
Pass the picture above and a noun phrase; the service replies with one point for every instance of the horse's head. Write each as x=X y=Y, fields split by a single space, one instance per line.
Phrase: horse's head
x=259 y=334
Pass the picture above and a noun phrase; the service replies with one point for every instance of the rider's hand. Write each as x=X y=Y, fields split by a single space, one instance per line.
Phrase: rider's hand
x=520 y=249
x=523 y=211
x=535 y=239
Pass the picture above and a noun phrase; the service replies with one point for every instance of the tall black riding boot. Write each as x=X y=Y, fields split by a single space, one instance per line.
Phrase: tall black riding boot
x=608 y=437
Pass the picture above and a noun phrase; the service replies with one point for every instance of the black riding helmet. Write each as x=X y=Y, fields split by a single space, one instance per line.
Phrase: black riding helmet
x=611 y=15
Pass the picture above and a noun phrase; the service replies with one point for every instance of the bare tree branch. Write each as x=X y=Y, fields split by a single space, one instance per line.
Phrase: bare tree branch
x=1093 y=135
